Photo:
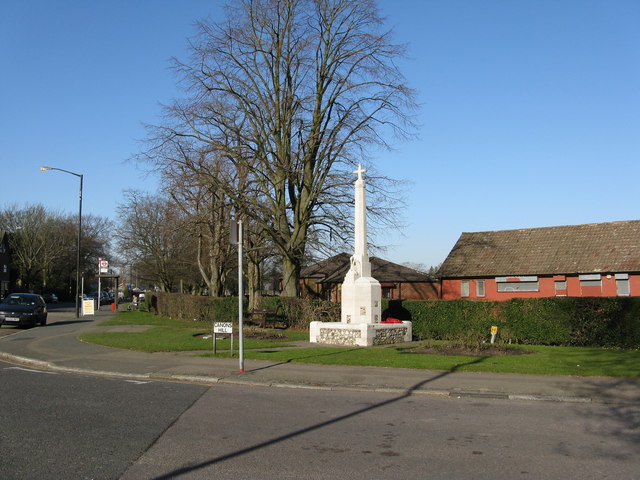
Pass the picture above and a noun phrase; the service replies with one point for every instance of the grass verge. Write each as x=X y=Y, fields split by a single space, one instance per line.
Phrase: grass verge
x=168 y=335
x=543 y=360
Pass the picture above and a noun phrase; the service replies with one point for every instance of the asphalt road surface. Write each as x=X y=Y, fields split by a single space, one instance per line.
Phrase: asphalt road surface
x=66 y=426
x=57 y=313
x=61 y=426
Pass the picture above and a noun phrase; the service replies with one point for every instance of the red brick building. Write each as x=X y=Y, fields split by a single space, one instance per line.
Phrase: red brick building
x=324 y=280
x=592 y=260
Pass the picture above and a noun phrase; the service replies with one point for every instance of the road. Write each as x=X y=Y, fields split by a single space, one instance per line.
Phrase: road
x=61 y=426
x=57 y=313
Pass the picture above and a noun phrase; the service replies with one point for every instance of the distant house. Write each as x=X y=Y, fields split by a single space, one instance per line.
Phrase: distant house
x=324 y=280
x=4 y=264
x=599 y=259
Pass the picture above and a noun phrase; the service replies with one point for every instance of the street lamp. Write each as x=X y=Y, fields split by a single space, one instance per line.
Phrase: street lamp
x=79 y=235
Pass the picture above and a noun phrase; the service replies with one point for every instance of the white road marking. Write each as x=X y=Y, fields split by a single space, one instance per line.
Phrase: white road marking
x=30 y=370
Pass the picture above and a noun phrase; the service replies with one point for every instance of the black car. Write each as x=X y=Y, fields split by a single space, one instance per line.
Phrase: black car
x=50 y=297
x=23 y=309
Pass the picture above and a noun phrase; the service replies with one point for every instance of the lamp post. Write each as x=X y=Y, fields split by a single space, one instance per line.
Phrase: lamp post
x=79 y=235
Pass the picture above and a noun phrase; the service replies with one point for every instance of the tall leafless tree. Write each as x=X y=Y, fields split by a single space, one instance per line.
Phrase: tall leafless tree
x=289 y=93
x=151 y=235
x=43 y=246
x=207 y=211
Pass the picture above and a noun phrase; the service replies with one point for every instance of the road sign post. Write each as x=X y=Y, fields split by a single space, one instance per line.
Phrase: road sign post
x=222 y=327
x=235 y=236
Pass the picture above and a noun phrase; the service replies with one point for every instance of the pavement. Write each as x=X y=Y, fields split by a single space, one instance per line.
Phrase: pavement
x=56 y=347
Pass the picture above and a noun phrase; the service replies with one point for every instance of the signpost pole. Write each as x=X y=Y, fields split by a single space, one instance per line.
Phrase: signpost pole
x=99 y=285
x=240 y=295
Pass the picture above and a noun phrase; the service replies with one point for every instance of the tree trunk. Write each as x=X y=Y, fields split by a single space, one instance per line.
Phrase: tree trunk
x=290 y=277
x=254 y=281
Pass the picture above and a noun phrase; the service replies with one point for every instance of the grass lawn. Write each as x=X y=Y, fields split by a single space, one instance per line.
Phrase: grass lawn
x=579 y=361
x=167 y=335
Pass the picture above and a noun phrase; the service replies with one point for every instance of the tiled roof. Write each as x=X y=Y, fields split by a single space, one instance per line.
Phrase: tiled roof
x=334 y=269
x=591 y=248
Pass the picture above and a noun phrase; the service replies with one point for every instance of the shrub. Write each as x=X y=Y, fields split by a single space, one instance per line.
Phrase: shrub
x=296 y=312
x=299 y=312
x=451 y=319
x=599 y=322
x=192 y=307
x=538 y=321
x=606 y=322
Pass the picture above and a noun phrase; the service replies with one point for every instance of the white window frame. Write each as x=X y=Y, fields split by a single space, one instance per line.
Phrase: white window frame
x=464 y=288
x=480 y=288
x=623 y=287
x=529 y=283
x=591 y=280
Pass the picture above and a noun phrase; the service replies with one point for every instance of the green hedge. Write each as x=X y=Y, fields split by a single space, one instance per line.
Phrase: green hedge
x=295 y=312
x=299 y=312
x=593 y=321
x=193 y=307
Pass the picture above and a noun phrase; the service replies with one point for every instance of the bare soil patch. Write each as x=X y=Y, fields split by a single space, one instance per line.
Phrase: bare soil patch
x=265 y=335
x=469 y=351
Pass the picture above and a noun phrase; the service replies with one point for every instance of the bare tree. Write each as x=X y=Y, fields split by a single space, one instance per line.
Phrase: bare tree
x=207 y=211
x=289 y=93
x=152 y=236
x=43 y=246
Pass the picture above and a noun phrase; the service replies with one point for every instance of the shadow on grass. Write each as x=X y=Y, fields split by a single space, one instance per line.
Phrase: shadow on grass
x=317 y=355
x=317 y=426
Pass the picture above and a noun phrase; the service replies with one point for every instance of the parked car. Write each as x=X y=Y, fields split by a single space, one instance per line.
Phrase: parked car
x=50 y=297
x=104 y=297
x=23 y=309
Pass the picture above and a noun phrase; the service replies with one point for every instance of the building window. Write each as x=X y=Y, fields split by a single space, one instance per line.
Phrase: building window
x=622 y=284
x=591 y=280
x=518 y=284
x=480 y=288
x=464 y=288
x=561 y=288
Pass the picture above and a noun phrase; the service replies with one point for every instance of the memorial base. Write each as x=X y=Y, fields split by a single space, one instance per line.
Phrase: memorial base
x=359 y=334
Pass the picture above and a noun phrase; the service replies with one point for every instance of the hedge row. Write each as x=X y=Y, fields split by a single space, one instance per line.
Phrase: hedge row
x=295 y=312
x=196 y=308
x=601 y=322
x=573 y=321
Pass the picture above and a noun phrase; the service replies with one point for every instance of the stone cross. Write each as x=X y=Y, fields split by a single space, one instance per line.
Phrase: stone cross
x=360 y=171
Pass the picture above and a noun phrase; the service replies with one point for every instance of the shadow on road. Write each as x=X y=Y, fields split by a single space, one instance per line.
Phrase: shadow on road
x=288 y=436
x=68 y=322
x=616 y=421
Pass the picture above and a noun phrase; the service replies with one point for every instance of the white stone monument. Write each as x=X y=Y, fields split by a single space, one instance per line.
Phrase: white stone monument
x=361 y=293
x=361 y=310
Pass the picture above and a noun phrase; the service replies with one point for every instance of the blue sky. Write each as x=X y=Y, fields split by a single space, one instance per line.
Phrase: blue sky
x=530 y=109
